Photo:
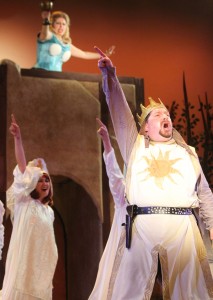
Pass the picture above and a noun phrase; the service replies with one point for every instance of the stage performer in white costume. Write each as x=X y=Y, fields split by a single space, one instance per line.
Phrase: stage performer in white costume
x=164 y=182
x=32 y=254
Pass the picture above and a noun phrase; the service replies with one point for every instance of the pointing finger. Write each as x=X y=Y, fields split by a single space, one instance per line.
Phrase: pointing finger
x=99 y=122
x=13 y=118
x=102 y=54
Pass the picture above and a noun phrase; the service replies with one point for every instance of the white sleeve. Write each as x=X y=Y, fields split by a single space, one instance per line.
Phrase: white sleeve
x=22 y=186
x=25 y=183
x=122 y=118
x=116 y=178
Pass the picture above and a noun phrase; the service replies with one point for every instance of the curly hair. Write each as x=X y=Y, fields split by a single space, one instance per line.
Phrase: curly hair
x=60 y=14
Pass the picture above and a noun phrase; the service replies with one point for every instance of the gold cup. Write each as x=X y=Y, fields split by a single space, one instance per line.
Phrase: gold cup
x=46 y=5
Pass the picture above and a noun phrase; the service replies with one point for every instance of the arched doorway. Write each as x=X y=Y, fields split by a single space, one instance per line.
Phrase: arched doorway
x=78 y=235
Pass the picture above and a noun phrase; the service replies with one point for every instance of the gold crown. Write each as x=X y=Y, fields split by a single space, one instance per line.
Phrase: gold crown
x=147 y=110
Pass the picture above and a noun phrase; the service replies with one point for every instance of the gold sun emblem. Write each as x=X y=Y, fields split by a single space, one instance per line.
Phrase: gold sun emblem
x=160 y=168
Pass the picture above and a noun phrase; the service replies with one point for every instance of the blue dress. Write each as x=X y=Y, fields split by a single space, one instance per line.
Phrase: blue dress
x=51 y=54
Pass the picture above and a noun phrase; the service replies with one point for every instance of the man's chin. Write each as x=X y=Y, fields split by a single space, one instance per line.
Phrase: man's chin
x=165 y=138
x=166 y=135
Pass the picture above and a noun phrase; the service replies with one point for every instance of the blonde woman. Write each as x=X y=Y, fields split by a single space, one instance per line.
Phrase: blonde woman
x=54 y=45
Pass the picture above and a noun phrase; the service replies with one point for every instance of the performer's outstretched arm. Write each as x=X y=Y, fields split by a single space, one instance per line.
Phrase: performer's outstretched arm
x=104 y=134
x=19 y=150
x=121 y=115
x=116 y=178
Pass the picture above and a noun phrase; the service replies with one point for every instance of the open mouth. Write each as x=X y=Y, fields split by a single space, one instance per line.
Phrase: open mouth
x=165 y=125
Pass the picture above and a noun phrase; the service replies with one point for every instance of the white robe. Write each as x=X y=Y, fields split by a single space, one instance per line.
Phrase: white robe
x=32 y=254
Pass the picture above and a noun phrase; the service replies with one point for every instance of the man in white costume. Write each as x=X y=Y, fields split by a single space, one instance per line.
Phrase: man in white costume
x=32 y=254
x=164 y=182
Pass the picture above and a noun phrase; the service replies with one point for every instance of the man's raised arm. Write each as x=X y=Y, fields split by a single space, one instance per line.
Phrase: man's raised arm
x=121 y=115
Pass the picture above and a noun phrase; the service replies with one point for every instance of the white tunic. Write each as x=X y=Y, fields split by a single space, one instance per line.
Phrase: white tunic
x=32 y=253
x=160 y=176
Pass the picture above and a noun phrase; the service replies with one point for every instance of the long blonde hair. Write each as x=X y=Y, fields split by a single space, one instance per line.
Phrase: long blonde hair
x=60 y=14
